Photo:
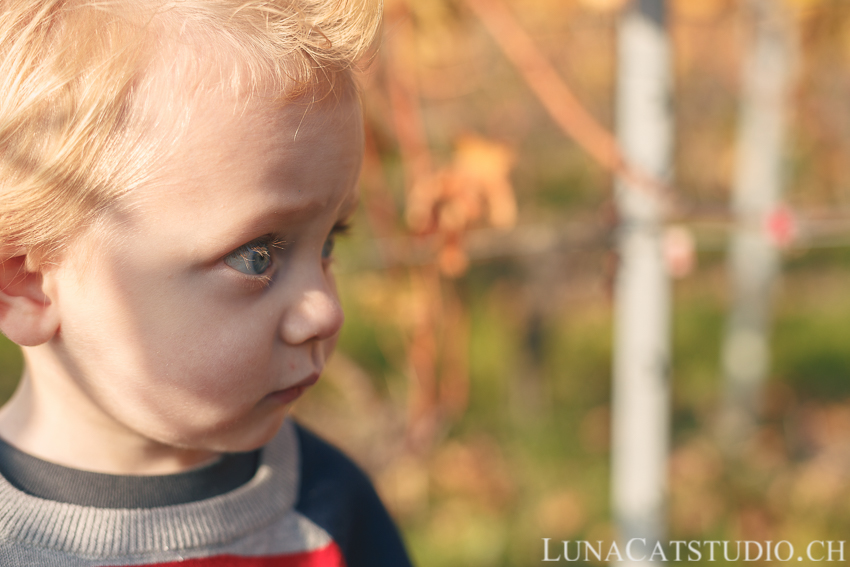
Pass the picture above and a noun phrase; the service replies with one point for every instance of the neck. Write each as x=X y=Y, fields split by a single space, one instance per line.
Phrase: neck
x=50 y=417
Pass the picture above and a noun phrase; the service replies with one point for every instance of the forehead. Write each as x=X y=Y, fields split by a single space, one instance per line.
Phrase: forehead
x=236 y=160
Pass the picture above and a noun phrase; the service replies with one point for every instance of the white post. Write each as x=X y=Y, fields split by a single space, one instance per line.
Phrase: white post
x=753 y=258
x=641 y=389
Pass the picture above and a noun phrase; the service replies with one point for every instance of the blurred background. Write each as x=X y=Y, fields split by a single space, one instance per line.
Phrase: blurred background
x=473 y=378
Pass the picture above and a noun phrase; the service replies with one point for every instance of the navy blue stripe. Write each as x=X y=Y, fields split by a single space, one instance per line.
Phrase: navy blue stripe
x=337 y=496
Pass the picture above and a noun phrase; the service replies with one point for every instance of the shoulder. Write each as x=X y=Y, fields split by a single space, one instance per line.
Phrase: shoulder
x=336 y=494
x=325 y=468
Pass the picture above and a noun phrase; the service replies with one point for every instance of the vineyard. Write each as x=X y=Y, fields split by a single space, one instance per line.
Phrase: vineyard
x=474 y=376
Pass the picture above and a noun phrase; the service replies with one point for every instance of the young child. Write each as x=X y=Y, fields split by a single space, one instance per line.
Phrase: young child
x=173 y=174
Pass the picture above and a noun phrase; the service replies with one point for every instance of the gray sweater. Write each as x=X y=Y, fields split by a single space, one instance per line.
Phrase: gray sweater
x=257 y=523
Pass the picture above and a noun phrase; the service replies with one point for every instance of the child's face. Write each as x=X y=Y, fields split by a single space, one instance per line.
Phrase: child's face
x=187 y=325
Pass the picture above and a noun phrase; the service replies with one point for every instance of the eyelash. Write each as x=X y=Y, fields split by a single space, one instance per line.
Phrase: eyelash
x=270 y=242
x=342 y=229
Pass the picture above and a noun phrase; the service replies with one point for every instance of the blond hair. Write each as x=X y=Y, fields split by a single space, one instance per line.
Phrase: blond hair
x=79 y=127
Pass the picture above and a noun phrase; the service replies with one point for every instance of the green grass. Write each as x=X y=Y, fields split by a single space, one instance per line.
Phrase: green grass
x=11 y=366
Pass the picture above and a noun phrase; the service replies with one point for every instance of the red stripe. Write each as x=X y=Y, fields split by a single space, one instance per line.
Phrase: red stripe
x=329 y=556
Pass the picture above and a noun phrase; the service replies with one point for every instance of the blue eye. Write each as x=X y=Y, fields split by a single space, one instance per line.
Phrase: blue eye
x=252 y=259
x=328 y=246
x=341 y=229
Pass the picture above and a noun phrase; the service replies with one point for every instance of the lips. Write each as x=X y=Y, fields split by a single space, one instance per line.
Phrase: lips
x=289 y=395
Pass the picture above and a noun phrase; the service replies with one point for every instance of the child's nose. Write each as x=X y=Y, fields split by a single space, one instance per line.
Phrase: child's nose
x=316 y=314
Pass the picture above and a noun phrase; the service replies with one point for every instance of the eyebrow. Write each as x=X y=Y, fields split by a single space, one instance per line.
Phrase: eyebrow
x=268 y=222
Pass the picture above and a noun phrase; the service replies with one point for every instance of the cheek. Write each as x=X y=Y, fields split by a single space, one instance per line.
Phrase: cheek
x=164 y=347
x=209 y=351
x=215 y=363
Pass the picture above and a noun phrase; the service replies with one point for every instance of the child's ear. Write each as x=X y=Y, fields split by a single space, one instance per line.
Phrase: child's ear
x=27 y=316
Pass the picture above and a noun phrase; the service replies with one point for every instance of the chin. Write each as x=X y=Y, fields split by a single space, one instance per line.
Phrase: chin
x=248 y=437
x=237 y=435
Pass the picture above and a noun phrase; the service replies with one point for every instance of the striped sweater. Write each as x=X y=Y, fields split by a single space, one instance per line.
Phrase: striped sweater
x=305 y=505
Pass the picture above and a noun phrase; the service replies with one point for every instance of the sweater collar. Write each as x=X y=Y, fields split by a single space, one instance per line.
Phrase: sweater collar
x=104 y=532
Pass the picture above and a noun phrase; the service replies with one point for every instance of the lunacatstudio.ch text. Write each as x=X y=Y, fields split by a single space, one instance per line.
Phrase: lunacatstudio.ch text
x=639 y=549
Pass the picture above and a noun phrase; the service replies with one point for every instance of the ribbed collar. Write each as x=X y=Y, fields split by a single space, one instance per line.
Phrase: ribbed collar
x=105 y=532
x=52 y=481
